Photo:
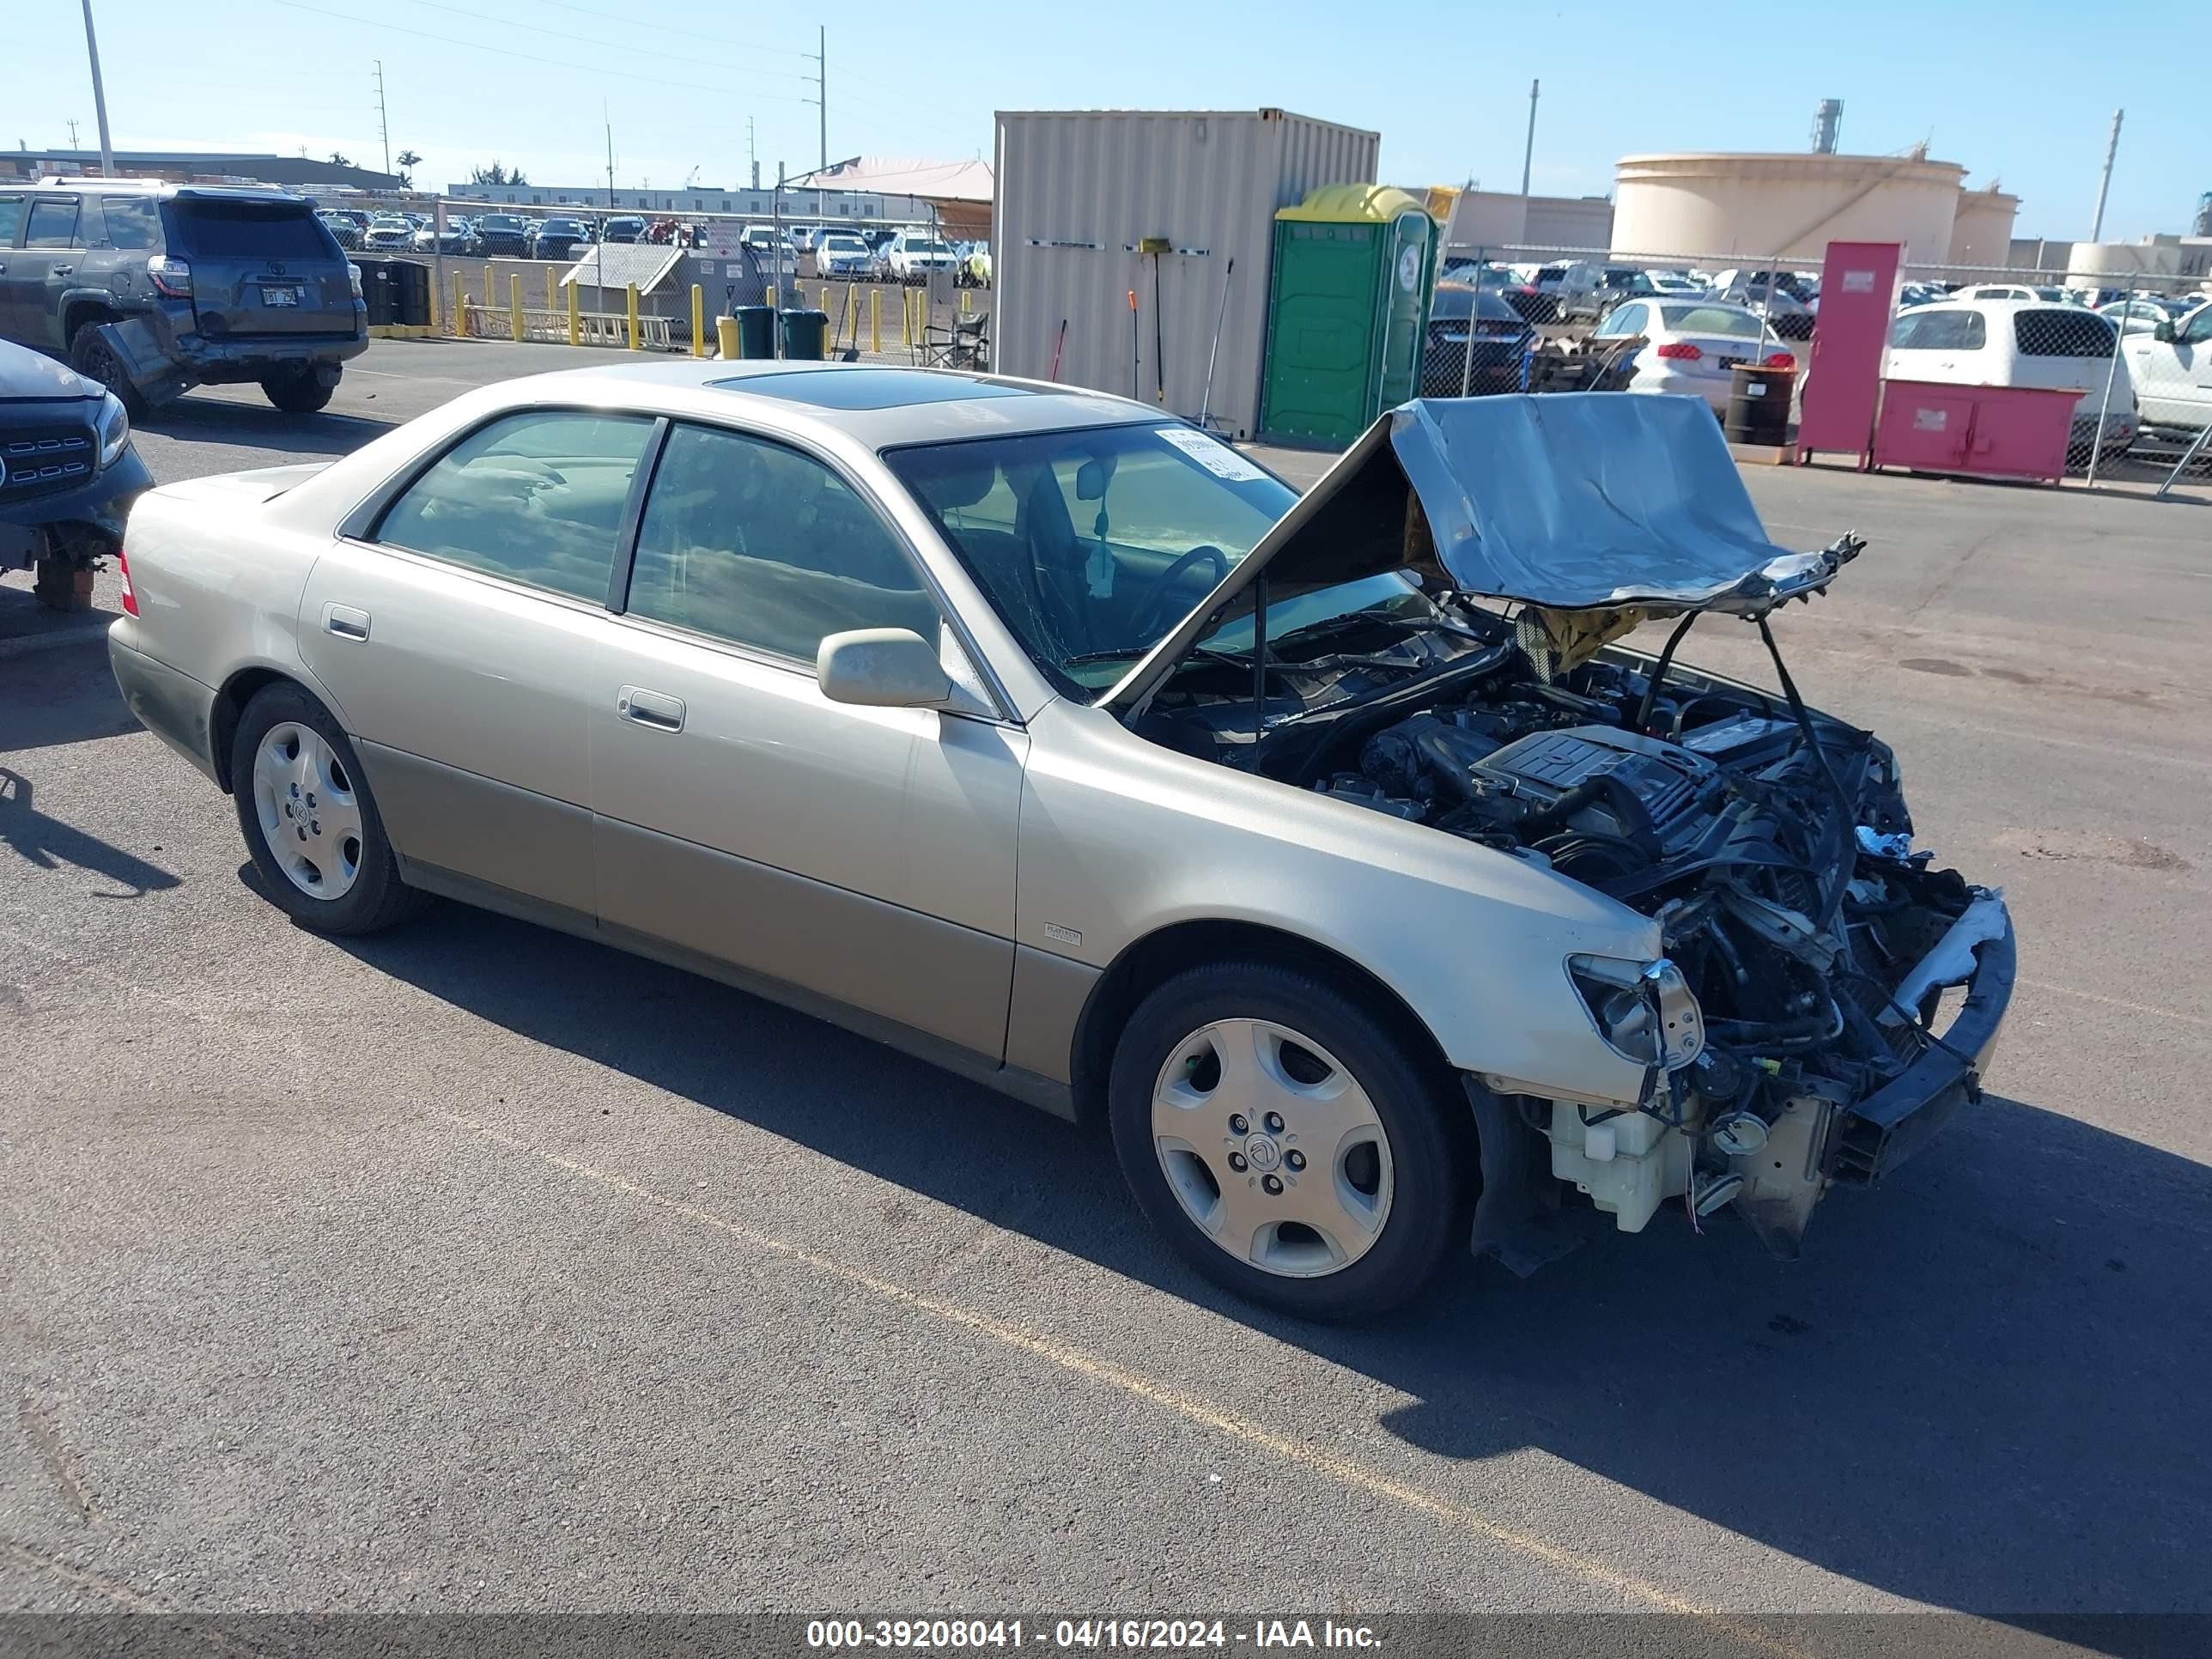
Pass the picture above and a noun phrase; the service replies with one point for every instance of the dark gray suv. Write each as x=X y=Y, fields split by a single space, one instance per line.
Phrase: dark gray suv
x=152 y=289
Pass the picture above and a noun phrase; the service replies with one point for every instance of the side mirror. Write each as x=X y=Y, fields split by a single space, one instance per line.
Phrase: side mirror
x=2163 y=333
x=882 y=668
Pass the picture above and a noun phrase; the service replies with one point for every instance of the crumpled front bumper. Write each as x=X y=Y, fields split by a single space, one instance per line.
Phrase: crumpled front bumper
x=84 y=522
x=1873 y=1136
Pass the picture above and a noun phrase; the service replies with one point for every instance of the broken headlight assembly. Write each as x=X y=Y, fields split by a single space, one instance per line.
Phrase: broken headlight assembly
x=1644 y=1010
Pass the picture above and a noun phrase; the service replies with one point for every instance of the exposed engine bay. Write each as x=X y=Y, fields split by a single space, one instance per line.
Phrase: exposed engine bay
x=1772 y=844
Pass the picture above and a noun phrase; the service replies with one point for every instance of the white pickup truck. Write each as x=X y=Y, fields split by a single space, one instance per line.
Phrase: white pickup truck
x=2171 y=368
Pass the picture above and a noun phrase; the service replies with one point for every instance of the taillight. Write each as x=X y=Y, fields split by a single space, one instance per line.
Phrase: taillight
x=129 y=598
x=1680 y=351
x=1778 y=360
x=172 y=278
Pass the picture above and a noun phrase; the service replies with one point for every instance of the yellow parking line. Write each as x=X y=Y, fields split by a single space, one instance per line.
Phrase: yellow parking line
x=1343 y=1470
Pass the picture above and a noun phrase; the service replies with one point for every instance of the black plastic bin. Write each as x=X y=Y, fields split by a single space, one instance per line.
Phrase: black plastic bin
x=755 y=330
x=805 y=335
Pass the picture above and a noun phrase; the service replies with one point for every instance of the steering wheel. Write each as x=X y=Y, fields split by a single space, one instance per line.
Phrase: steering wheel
x=1163 y=588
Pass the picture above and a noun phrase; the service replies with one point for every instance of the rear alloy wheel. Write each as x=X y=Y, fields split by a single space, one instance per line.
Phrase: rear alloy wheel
x=1287 y=1142
x=309 y=820
x=91 y=356
x=298 y=394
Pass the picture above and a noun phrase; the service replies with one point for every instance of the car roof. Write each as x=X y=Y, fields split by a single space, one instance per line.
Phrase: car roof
x=881 y=405
x=165 y=188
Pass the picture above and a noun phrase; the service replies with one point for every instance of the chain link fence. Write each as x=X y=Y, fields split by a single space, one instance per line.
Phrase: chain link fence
x=2131 y=354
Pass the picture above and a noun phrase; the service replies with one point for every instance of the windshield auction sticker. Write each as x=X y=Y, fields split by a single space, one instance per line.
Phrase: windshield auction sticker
x=1216 y=456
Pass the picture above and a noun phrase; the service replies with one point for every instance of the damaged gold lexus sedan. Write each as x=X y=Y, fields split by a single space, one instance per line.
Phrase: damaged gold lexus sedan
x=1331 y=847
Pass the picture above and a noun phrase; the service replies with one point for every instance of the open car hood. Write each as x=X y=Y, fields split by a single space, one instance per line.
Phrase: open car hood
x=1592 y=501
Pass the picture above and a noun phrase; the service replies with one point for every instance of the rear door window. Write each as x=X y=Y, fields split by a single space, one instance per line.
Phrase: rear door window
x=53 y=223
x=535 y=498
x=11 y=219
x=133 y=221
x=2062 y=333
x=211 y=229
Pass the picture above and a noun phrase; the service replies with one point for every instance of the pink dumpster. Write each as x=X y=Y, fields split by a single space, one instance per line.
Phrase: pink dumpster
x=1990 y=431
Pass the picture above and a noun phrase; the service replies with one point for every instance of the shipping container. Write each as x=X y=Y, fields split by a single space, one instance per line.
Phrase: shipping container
x=1083 y=193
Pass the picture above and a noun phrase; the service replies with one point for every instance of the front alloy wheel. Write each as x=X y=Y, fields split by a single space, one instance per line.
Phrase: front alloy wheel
x=1271 y=1147
x=1294 y=1137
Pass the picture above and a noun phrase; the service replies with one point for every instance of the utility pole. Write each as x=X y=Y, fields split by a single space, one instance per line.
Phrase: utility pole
x=822 y=86
x=752 y=154
x=72 y=127
x=383 y=125
x=1529 y=154
x=2104 y=181
x=99 y=95
x=609 y=120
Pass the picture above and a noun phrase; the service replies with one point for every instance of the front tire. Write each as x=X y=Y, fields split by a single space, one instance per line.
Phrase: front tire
x=1289 y=1144
x=309 y=819
x=299 y=394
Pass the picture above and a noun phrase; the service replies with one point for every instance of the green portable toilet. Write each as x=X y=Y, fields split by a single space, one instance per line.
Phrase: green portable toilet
x=1347 y=311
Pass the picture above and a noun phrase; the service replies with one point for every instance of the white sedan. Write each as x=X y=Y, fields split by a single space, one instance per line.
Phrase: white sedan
x=1690 y=346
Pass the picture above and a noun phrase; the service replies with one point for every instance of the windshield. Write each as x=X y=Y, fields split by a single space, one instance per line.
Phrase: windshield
x=1092 y=545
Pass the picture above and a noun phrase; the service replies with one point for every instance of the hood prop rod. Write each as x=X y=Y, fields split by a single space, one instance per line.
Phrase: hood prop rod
x=1259 y=658
x=1832 y=901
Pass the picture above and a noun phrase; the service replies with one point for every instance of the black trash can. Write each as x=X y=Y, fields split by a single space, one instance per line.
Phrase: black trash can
x=805 y=335
x=755 y=330
x=377 y=292
x=1759 y=404
x=412 y=303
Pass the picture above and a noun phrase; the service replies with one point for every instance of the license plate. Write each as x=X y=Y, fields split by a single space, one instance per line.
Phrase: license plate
x=281 y=296
x=1731 y=362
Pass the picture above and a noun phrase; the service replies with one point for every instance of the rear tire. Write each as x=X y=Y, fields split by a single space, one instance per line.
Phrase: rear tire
x=88 y=355
x=1356 y=1156
x=309 y=820
x=299 y=394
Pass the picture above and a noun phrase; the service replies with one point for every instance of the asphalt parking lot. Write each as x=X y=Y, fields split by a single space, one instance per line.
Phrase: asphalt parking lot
x=475 y=1268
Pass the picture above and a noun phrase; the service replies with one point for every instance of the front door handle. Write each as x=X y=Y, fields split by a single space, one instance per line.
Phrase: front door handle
x=345 y=621
x=654 y=708
x=63 y=270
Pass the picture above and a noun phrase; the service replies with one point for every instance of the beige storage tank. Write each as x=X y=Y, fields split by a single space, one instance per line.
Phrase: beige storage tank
x=1788 y=206
x=1981 y=234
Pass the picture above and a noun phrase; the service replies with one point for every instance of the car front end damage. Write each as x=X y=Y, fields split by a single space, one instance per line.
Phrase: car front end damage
x=1820 y=998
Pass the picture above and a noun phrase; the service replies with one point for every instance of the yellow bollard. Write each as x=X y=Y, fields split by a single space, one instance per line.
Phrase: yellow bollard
x=906 y=317
x=576 y=329
x=460 y=308
x=725 y=338
x=698 y=320
x=514 y=303
x=552 y=300
x=963 y=301
x=875 y=320
x=437 y=305
x=630 y=302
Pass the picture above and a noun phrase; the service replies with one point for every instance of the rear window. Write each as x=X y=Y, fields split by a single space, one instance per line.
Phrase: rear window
x=248 y=230
x=2061 y=332
x=1451 y=305
x=1939 y=331
x=499 y=221
x=1711 y=320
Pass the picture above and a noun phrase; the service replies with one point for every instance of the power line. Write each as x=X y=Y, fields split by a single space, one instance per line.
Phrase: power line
x=618 y=46
x=524 y=56
x=666 y=29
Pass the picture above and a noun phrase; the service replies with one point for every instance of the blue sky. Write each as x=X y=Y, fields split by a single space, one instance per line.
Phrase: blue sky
x=2022 y=92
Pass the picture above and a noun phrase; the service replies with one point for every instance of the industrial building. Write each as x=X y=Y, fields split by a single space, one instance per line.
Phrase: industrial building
x=1498 y=219
x=203 y=167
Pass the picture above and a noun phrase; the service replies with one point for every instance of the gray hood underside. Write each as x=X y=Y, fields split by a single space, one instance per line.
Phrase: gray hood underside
x=1596 y=501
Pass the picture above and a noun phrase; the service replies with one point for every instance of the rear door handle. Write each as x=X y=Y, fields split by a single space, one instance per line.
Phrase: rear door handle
x=654 y=708
x=63 y=270
x=345 y=622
